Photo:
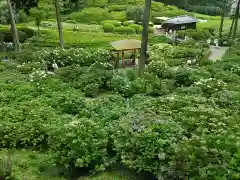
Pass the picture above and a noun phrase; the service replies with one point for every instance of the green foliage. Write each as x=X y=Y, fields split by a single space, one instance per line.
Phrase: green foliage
x=107 y=27
x=97 y=3
x=209 y=10
x=135 y=26
x=91 y=14
x=23 y=33
x=178 y=121
x=119 y=15
x=74 y=145
x=195 y=34
x=125 y=30
x=115 y=7
x=135 y=13
x=113 y=22
x=158 y=39
x=127 y=23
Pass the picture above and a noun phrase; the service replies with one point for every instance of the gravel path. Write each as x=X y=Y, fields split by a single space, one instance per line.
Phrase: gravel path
x=217 y=52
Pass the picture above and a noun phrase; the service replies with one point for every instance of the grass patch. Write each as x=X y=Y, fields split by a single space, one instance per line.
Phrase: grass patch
x=214 y=23
x=49 y=38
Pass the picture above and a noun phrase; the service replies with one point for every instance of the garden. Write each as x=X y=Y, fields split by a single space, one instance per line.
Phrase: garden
x=85 y=119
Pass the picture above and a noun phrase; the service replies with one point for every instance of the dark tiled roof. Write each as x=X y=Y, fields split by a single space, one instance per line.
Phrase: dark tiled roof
x=182 y=20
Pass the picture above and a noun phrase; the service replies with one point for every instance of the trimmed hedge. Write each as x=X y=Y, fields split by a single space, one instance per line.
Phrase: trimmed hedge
x=119 y=15
x=91 y=14
x=127 y=23
x=195 y=34
x=125 y=30
x=135 y=26
x=29 y=32
x=23 y=33
x=114 y=7
x=113 y=22
x=107 y=27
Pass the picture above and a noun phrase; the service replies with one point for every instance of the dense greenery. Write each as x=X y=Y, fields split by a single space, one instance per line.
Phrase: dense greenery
x=178 y=121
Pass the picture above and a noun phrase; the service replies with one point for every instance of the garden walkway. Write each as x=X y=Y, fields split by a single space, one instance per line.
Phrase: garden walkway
x=217 y=52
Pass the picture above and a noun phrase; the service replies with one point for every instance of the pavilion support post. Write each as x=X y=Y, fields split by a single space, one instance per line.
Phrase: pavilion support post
x=134 y=56
x=123 y=61
x=118 y=59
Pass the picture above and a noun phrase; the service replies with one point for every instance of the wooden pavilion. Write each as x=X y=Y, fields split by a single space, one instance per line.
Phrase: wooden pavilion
x=180 y=23
x=123 y=46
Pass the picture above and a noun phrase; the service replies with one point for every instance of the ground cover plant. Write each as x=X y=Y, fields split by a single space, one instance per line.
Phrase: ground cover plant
x=88 y=115
x=88 y=120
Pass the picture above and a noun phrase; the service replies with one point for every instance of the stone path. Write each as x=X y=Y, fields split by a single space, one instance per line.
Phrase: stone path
x=217 y=52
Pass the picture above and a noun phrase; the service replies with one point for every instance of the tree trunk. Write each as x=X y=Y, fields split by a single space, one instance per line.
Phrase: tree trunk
x=231 y=28
x=59 y=24
x=13 y=28
x=143 y=56
x=2 y=43
x=221 y=24
x=236 y=21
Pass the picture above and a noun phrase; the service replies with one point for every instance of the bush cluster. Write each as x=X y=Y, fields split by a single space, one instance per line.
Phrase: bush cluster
x=23 y=32
x=199 y=34
x=91 y=14
x=124 y=30
x=174 y=122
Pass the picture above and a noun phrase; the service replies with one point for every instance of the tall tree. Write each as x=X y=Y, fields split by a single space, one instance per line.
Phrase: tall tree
x=236 y=21
x=25 y=4
x=143 y=56
x=13 y=27
x=59 y=24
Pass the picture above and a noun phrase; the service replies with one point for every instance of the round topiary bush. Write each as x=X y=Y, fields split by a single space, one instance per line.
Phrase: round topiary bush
x=113 y=22
x=127 y=23
x=150 y=30
x=140 y=30
x=71 y=21
x=107 y=27
x=125 y=30
x=135 y=26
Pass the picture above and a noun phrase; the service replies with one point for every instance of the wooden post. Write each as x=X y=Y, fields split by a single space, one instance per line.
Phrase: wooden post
x=123 y=62
x=118 y=59
x=134 y=57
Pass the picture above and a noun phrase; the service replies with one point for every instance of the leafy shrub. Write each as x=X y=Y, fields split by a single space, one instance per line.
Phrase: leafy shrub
x=135 y=13
x=7 y=35
x=69 y=103
x=125 y=30
x=97 y=3
x=150 y=30
x=135 y=26
x=29 y=32
x=118 y=15
x=107 y=27
x=148 y=142
x=184 y=76
x=209 y=10
x=84 y=57
x=115 y=7
x=159 y=39
x=113 y=22
x=23 y=130
x=71 y=21
x=195 y=34
x=79 y=143
x=140 y=30
x=91 y=14
x=127 y=23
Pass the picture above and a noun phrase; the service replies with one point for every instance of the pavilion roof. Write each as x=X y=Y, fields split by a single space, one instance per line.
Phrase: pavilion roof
x=126 y=44
x=182 y=20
